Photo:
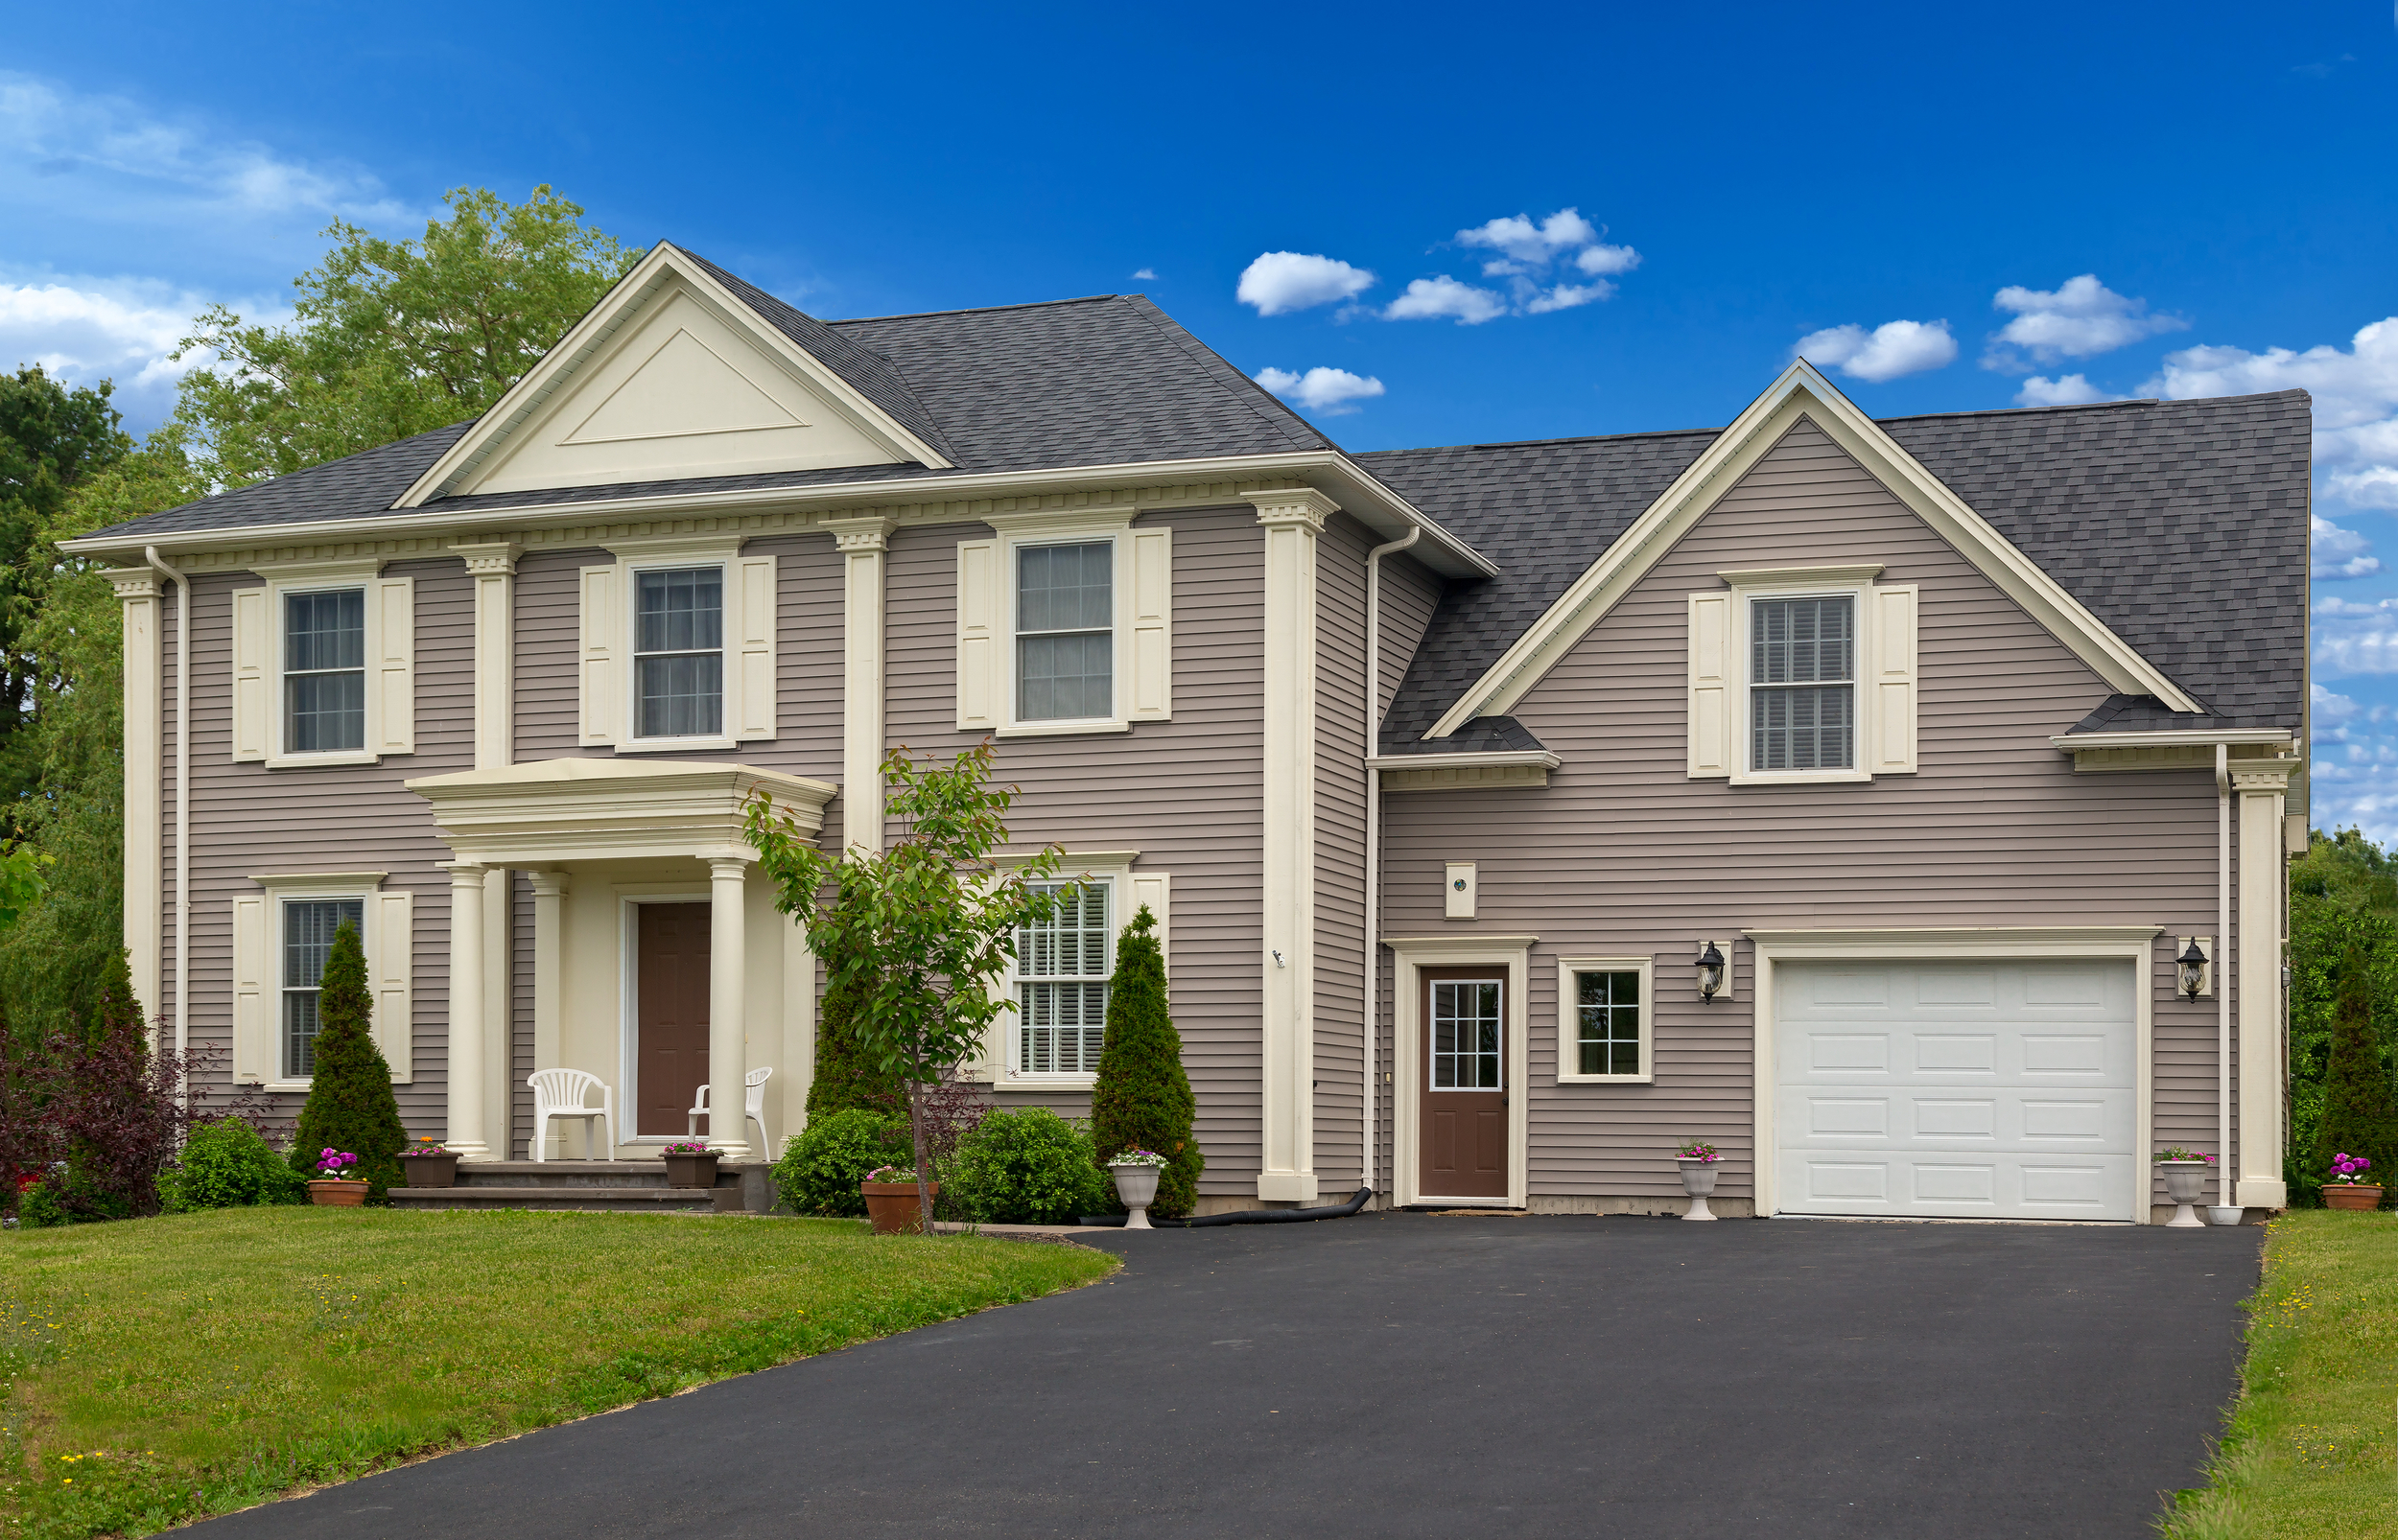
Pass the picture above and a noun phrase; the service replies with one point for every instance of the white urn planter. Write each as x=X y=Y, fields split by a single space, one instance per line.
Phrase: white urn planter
x=1136 y=1188
x=2185 y=1181
x=1698 y=1180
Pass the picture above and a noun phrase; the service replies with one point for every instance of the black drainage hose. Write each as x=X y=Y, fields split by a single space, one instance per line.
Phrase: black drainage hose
x=1246 y=1216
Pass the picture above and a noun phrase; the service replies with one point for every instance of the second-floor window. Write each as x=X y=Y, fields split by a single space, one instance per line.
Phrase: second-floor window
x=679 y=653
x=324 y=671
x=1065 y=632
x=1802 y=659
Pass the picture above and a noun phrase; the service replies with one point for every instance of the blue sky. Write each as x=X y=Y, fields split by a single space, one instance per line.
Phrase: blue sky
x=1949 y=207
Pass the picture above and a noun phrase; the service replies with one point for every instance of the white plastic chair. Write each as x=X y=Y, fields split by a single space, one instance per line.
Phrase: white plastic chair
x=565 y=1093
x=753 y=1107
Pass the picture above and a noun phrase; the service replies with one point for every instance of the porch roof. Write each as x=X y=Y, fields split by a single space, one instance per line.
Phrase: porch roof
x=550 y=811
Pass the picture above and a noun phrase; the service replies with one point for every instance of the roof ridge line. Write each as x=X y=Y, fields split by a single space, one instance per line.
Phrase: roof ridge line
x=969 y=310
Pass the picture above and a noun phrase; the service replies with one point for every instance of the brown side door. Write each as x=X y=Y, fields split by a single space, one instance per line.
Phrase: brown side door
x=1464 y=1111
x=670 y=991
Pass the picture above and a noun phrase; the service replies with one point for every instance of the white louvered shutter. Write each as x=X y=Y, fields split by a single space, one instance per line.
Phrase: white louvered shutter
x=253 y=994
x=752 y=709
x=396 y=665
x=392 y=916
x=254 y=674
x=602 y=676
x=1712 y=696
x=1894 y=679
x=980 y=598
x=1152 y=620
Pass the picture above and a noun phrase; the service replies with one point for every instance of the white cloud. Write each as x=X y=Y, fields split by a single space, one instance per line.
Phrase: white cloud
x=1321 y=389
x=1526 y=252
x=2078 y=319
x=1432 y=298
x=88 y=330
x=1566 y=296
x=2356 y=401
x=2066 y=391
x=1145 y=272
x=1889 y=350
x=2356 y=637
x=2328 y=707
x=1534 y=245
x=1600 y=260
x=2341 y=552
x=1280 y=282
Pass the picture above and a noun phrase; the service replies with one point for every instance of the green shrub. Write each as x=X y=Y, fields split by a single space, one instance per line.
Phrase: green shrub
x=43 y=1205
x=846 y=1077
x=1142 y=1099
x=821 y=1168
x=1029 y=1166
x=227 y=1164
x=350 y=1105
x=2359 y=1115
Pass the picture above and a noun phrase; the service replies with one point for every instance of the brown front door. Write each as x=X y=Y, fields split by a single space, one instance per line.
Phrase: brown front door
x=671 y=988
x=1463 y=1112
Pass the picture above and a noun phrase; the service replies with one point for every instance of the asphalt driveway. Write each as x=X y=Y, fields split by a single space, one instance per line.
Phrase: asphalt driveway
x=1404 y=1374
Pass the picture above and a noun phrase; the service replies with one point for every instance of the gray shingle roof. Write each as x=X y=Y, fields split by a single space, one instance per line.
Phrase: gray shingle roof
x=2182 y=526
x=355 y=486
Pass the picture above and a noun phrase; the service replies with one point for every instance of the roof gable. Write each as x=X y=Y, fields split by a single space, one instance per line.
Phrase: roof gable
x=675 y=373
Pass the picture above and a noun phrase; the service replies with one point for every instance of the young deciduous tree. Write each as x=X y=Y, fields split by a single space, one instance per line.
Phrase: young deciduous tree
x=1142 y=1100
x=350 y=1105
x=919 y=930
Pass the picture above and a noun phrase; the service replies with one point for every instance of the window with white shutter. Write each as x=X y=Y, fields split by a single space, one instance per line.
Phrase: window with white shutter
x=1065 y=626
x=1803 y=674
x=677 y=648
x=324 y=665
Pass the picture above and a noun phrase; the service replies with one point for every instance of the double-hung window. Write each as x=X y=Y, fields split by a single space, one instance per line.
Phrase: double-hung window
x=679 y=653
x=1803 y=691
x=309 y=925
x=324 y=671
x=1065 y=632
x=1603 y=1019
x=1063 y=964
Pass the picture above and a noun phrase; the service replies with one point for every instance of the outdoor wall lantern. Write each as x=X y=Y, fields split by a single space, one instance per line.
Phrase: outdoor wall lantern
x=2192 y=962
x=1710 y=974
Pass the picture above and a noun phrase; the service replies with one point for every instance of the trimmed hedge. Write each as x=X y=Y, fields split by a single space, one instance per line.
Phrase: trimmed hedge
x=822 y=1166
x=1029 y=1166
x=228 y=1164
x=1142 y=1100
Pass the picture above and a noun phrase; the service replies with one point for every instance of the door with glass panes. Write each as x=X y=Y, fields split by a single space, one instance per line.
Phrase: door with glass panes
x=1461 y=1132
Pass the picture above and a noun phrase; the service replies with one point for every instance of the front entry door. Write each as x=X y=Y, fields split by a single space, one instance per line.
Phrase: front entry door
x=1464 y=1113
x=670 y=1015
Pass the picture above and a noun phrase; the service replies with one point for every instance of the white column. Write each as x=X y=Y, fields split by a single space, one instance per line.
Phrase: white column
x=728 y=1023
x=2261 y=786
x=549 y=973
x=467 y=1125
x=1291 y=521
x=491 y=566
x=862 y=543
x=145 y=867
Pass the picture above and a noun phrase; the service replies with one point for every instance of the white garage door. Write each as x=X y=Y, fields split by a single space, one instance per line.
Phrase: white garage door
x=1968 y=1090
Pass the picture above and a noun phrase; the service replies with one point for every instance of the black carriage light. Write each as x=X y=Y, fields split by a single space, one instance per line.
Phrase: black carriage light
x=1711 y=972
x=2192 y=962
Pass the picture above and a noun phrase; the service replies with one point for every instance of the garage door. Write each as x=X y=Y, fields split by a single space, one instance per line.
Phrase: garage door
x=1964 y=1090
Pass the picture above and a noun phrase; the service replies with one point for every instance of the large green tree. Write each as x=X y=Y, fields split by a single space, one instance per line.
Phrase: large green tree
x=2343 y=894
x=394 y=338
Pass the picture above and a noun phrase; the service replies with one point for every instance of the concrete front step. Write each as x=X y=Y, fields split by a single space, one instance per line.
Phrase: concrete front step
x=586 y=1197
x=623 y=1185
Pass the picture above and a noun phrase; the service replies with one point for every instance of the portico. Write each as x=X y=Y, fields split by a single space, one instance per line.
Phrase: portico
x=601 y=839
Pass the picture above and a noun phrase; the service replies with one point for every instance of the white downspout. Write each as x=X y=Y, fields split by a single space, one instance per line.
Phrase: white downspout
x=1373 y=833
x=182 y=797
x=2222 y=970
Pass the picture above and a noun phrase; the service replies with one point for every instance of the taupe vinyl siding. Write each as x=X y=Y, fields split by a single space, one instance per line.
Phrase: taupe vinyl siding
x=549 y=654
x=1409 y=594
x=1187 y=794
x=1340 y=852
x=520 y=1016
x=247 y=819
x=1622 y=855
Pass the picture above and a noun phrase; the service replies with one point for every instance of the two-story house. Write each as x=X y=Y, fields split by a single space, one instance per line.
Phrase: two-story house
x=1841 y=792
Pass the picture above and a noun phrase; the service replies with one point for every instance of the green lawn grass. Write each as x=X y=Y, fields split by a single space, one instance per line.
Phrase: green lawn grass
x=158 y=1370
x=2312 y=1449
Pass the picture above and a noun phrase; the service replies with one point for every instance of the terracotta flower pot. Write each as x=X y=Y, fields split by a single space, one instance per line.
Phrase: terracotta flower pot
x=430 y=1170
x=328 y=1192
x=692 y=1170
x=2351 y=1195
x=893 y=1207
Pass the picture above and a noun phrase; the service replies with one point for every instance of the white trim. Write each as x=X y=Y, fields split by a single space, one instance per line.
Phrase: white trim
x=608 y=682
x=144 y=765
x=2200 y=737
x=862 y=545
x=386 y=921
x=1569 y=1023
x=1139 y=623
x=260 y=645
x=1800 y=392
x=1289 y=524
x=1411 y=955
x=1128 y=891
x=2132 y=944
x=1870 y=675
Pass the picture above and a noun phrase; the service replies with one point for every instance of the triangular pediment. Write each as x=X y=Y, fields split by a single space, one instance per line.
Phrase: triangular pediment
x=672 y=377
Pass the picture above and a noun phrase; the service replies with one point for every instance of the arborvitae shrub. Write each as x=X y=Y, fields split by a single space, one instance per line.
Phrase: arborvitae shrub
x=1142 y=1099
x=2359 y=1115
x=350 y=1105
x=847 y=1076
x=1027 y=1165
x=228 y=1164
x=821 y=1168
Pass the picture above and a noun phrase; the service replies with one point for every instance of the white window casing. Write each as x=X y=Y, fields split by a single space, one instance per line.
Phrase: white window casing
x=259 y=617
x=1129 y=892
x=1569 y=1010
x=388 y=936
x=606 y=713
x=1882 y=677
x=1141 y=650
